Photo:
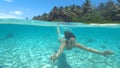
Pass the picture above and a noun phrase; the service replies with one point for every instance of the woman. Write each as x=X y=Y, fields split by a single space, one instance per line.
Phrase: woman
x=68 y=41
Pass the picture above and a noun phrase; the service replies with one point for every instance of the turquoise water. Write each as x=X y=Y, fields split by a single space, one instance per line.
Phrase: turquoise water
x=30 y=46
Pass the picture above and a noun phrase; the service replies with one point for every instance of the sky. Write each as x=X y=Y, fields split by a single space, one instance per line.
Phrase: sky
x=29 y=8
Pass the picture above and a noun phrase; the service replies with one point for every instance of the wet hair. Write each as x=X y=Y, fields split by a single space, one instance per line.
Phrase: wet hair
x=69 y=35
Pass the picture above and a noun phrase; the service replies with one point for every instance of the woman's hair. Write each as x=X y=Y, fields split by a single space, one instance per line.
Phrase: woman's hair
x=69 y=35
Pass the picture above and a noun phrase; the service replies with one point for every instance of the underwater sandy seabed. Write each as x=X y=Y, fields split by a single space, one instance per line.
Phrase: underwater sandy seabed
x=31 y=47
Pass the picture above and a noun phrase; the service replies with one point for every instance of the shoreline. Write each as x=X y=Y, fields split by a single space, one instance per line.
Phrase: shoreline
x=47 y=23
x=109 y=24
x=84 y=25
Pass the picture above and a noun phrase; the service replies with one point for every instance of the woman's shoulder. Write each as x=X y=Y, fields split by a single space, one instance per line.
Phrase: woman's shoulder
x=61 y=36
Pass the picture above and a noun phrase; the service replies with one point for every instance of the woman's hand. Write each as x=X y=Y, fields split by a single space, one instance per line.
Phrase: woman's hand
x=107 y=52
x=53 y=57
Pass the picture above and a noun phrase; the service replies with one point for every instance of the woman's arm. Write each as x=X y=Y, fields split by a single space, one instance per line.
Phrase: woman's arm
x=59 y=52
x=94 y=50
x=58 y=30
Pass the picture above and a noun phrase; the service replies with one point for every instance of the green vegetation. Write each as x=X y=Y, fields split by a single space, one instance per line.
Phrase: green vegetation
x=108 y=12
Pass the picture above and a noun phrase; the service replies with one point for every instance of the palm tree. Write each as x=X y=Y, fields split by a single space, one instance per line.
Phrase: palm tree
x=87 y=7
x=53 y=14
x=118 y=1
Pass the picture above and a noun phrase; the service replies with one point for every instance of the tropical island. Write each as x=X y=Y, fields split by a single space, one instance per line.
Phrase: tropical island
x=108 y=12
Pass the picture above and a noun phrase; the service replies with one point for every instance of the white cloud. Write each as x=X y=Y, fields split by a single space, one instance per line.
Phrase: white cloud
x=4 y=15
x=11 y=14
x=17 y=12
x=8 y=0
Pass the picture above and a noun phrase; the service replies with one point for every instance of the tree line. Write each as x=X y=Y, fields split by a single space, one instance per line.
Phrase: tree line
x=108 y=12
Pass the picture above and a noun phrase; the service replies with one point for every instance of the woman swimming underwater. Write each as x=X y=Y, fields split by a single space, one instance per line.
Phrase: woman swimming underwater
x=68 y=41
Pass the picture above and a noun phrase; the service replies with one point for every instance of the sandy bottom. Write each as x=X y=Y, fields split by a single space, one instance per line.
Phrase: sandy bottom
x=31 y=47
x=34 y=53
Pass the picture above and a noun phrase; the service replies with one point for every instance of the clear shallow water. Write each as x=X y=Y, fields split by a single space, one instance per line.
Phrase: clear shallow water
x=27 y=46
